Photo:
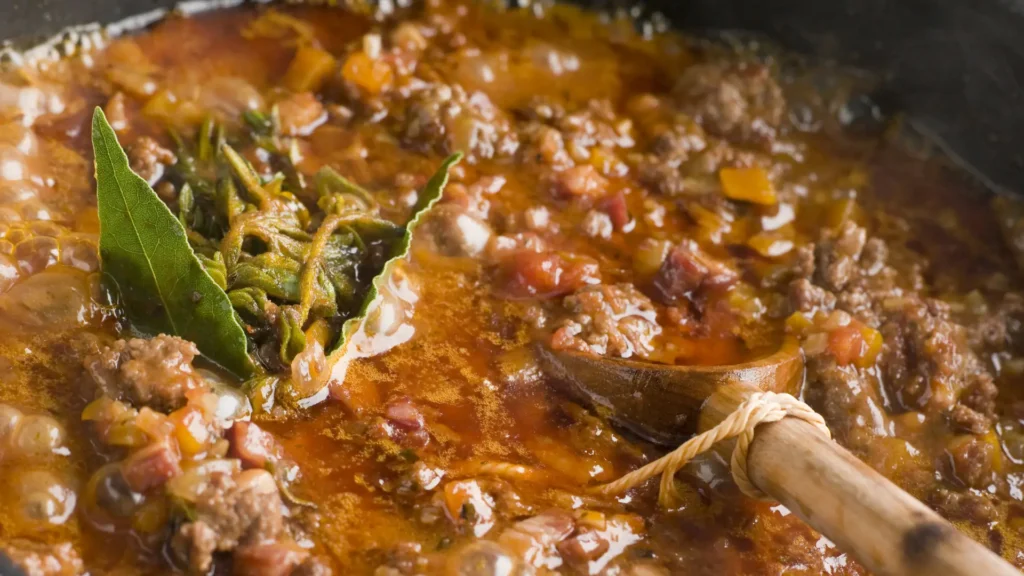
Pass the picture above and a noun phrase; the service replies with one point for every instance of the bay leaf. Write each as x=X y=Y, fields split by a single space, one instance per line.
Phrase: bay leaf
x=339 y=354
x=145 y=251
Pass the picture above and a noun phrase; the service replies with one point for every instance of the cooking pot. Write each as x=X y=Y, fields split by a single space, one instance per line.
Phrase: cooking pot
x=955 y=68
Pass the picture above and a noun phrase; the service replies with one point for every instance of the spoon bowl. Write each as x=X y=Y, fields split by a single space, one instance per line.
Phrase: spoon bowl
x=661 y=402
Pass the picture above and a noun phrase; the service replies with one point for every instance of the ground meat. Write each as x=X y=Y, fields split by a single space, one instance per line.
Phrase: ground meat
x=616 y=320
x=670 y=176
x=847 y=398
x=994 y=331
x=230 y=510
x=661 y=176
x=156 y=372
x=970 y=505
x=802 y=265
x=686 y=270
x=148 y=159
x=977 y=407
x=837 y=256
x=37 y=559
x=446 y=119
x=596 y=125
x=808 y=298
x=737 y=101
x=970 y=461
x=545 y=145
x=925 y=357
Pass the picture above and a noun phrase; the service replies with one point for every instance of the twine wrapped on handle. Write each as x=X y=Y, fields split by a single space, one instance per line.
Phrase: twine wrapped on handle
x=760 y=408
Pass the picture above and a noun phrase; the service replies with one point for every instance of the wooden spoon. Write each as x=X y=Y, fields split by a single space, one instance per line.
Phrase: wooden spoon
x=883 y=527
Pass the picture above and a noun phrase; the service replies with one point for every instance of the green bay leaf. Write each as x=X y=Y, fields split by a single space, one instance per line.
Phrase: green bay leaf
x=145 y=251
x=431 y=194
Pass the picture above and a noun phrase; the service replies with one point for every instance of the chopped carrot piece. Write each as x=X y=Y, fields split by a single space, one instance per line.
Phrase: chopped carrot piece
x=371 y=75
x=748 y=185
x=797 y=323
x=846 y=344
x=770 y=244
x=190 y=430
x=308 y=70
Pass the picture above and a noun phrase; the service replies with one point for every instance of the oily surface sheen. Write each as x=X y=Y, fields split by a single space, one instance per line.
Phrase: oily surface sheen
x=646 y=198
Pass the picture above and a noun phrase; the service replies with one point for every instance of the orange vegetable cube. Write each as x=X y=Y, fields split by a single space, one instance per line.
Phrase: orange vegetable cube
x=748 y=185
x=872 y=346
x=372 y=75
x=797 y=323
x=190 y=430
x=309 y=69
x=770 y=244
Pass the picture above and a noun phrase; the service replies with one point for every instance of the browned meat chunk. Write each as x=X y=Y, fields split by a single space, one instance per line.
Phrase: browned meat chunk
x=252 y=445
x=148 y=159
x=155 y=372
x=447 y=119
x=977 y=406
x=741 y=102
x=837 y=257
x=37 y=559
x=967 y=505
x=806 y=297
x=925 y=358
x=616 y=320
x=688 y=269
x=229 y=511
x=970 y=461
x=849 y=400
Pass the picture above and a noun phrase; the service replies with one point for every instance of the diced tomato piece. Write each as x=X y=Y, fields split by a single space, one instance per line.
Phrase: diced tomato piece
x=615 y=207
x=846 y=343
x=546 y=274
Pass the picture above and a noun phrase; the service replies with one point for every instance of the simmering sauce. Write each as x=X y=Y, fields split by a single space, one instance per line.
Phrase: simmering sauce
x=637 y=196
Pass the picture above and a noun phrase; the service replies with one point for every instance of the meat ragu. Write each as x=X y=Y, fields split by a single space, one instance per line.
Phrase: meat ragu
x=649 y=197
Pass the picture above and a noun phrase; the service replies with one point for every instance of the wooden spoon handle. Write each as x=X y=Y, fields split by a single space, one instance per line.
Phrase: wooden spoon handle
x=883 y=527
